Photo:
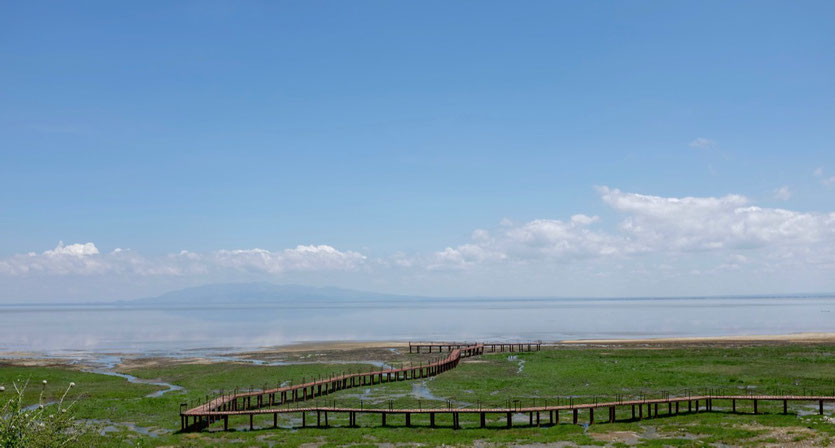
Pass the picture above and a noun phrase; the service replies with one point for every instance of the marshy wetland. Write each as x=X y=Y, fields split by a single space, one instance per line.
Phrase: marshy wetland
x=139 y=413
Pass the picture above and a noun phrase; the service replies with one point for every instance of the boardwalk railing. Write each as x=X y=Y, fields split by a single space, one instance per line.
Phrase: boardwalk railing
x=490 y=347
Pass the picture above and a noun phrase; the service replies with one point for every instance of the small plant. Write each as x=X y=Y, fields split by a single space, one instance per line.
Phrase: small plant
x=44 y=425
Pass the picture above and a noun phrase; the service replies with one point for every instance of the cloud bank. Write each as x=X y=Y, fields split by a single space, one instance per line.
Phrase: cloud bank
x=651 y=225
x=85 y=259
x=646 y=235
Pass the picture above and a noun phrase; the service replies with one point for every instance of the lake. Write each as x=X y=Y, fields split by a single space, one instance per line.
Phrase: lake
x=134 y=328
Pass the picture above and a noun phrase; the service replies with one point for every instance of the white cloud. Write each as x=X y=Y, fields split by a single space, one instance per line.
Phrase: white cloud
x=783 y=193
x=540 y=239
x=64 y=259
x=552 y=238
x=463 y=256
x=650 y=225
x=85 y=259
x=481 y=235
x=703 y=143
x=77 y=250
x=301 y=258
x=828 y=181
x=695 y=224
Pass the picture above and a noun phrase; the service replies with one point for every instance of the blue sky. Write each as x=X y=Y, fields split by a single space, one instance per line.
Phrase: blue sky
x=377 y=135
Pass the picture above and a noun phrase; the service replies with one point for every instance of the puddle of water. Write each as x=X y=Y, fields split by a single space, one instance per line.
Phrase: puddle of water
x=132 y=379
x=521 y=362
x=33 y=407
x=109 y=362
x=111 y=426
x=260 y=362
x=421 y=391
x=805 y=409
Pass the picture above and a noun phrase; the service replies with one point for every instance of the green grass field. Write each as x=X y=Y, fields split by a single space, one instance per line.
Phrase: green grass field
x=129 y=418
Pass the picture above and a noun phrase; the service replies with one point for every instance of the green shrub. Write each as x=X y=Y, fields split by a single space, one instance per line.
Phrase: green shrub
x=44 y=425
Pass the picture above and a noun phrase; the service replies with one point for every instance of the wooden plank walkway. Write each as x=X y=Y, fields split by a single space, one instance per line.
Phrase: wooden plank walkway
x=241 y=403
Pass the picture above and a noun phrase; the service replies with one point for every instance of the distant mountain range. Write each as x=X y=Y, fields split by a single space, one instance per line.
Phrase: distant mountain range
x=265 y=292
x=262 y=292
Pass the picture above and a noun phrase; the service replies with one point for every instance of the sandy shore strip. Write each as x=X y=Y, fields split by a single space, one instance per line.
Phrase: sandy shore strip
x=313 y=346
x=336 y=346
x=800 y=338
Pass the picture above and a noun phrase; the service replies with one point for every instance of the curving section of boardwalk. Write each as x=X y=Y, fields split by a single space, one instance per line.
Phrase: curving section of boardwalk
x=262 y=402
x=241 y=403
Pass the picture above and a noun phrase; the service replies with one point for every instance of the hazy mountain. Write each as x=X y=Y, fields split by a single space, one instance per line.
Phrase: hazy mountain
x=262 y=292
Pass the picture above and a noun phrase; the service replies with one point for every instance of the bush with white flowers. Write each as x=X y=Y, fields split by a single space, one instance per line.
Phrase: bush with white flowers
x=41 y=426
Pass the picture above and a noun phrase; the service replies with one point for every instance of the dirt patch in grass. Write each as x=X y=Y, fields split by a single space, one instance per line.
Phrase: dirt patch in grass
x=627 y=437
x=792 y=436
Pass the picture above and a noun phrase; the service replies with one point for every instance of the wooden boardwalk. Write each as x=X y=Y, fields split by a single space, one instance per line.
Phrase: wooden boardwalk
x=263 y=402
x=490 y=347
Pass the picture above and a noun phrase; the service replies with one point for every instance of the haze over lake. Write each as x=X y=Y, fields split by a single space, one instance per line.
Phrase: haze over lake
x=156 y=326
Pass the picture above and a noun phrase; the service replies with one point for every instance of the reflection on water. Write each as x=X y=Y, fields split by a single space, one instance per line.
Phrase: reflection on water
x=132 y=379
x=166 y=330
x=420 y=390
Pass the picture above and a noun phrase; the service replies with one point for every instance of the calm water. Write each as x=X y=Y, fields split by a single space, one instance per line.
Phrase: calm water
x=101 y=328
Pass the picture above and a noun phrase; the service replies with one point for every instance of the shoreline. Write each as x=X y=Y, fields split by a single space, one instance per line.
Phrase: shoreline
x=815 y=337
x=21 y=356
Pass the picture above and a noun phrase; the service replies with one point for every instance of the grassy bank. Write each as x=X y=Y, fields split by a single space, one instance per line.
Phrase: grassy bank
x=129 y=418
